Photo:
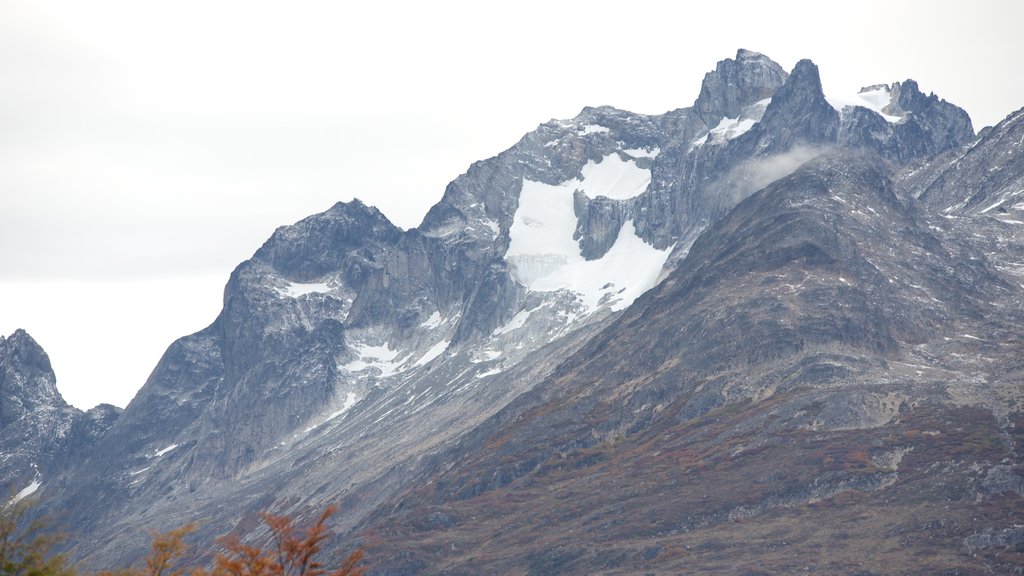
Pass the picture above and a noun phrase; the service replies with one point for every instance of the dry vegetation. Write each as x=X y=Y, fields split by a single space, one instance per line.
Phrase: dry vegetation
x=26 y=549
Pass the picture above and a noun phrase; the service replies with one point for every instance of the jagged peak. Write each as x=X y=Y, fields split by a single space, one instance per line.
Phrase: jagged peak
x=799 y=112
x=311 y=246
x=744 y=54
x=20 y=335
x=27 y=381
x=25 y=347
x=806 y=70
x=356 y=208
x=737 y=83
x=908 y=97
x=875 y=87
x=802 y=87
x=353 y=210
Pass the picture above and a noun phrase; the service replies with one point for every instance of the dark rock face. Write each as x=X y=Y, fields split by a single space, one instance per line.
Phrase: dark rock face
x=798 y=113
x=829 y=314
x=736 y=84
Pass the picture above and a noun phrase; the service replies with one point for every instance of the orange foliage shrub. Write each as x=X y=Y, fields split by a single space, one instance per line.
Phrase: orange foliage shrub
x=293 y=551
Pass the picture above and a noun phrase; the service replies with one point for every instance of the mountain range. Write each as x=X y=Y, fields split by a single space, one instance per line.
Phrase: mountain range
x=773 y=332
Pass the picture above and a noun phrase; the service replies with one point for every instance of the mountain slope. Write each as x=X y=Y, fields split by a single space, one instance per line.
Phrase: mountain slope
x=789 y=389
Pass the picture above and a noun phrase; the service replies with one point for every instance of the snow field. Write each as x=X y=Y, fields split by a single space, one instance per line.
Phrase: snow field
x=545 y=257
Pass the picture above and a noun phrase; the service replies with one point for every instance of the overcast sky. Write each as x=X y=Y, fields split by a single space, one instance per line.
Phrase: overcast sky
x=146 y=148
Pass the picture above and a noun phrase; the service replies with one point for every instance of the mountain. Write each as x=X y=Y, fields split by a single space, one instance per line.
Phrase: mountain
x=777 y=330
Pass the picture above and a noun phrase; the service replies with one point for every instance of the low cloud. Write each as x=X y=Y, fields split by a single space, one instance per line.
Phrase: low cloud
x=753 y=175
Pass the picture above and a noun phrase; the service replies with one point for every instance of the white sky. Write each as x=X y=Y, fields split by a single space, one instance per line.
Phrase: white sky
x=146 y=148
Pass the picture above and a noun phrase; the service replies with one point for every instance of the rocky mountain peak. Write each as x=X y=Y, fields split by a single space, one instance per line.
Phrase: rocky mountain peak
x=735 y=84
x=743 y=54
x=804 y=81
x=799 y=112
x=311 y=247
x=27 y=382
x=356 y=209
x=907 y=97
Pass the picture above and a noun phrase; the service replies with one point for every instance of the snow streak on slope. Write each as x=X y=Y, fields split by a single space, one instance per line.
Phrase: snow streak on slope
x=544 y=256
x=730 y=128
x=26 y=491
x=727 y=129
x=434 y=351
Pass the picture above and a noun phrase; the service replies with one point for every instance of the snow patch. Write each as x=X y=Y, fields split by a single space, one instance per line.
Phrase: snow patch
x=27 y=491
x=614 y=178
x=490 y=372
x=433 y=322
x=594 y=129
x=486 y=356
x=295 y=289
x=630 y=268
x=517 y=321
x=544 y=257
x=493 y=227
x=350 y=401
x=731 y=128
x=728 y=129
x=540 y=239
x=874 y=99
x=380 y=357
x=163 y=451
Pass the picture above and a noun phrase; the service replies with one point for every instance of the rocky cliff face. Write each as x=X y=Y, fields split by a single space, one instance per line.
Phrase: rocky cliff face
x=622 y=335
